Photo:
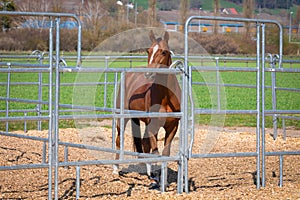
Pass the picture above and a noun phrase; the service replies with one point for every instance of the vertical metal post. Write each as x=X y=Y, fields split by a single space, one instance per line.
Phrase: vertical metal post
x=184 y=108
x=284 y=129
x=77 y=182
x=263 y=104
x=192 y=108
x=258 y=105
x=218 y=83
x=50 y=110
x=274 y=103
x=66 y=154
x=39 y=106
x=290 y=27
x=122 y=107
x=44 y=152
x=280 y=170
x=163 y=176
x=113 y=138
x=79 y=43
x=25 y=123
x=56 y=104
x=7 y=95
x=105 y=88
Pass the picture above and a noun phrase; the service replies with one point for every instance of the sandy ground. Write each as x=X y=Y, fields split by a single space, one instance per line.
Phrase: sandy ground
x=218 y=178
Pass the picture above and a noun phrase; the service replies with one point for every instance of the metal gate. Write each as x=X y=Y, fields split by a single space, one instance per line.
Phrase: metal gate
x=260 y=111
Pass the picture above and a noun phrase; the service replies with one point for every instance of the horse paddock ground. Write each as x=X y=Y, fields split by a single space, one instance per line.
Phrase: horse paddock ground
x=209 y=178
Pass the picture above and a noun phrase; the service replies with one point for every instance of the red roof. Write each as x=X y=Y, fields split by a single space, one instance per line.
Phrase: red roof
x=233 y=11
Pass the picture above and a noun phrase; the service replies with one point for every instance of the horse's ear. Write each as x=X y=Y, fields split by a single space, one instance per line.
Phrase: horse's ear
x=152 y=37
x=166 y=36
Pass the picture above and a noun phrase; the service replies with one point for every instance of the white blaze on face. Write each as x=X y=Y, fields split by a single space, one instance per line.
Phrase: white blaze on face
x=155 y=48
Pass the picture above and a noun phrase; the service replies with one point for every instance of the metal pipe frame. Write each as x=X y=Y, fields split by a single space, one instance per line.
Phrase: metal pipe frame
x=53 y=114
x=260 y=70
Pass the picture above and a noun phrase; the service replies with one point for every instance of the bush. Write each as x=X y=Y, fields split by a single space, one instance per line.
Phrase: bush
x=232 y=43
x=217 y=43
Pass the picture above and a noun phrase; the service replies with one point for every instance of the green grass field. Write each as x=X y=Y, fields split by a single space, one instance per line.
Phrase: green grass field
x=205 y=96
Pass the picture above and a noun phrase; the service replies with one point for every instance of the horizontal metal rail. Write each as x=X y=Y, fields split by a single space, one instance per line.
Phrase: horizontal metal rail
x=220 y=155
x=93 y=162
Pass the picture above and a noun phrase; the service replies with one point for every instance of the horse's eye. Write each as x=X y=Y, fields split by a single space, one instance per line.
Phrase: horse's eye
x=164 y=53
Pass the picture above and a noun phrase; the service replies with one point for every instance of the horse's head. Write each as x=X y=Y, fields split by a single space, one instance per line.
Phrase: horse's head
x=159 y=54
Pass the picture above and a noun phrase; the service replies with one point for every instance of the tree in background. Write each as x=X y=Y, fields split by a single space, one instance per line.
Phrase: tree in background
x=93 y=13
x=168 y=4
x=183 y=12
x=296 y=20
x=34 y=6
x=248 y=13
x=216 y=13
x=7 y=5
x=271 y=4
x=57 y=6
x=196 y=4
x=152 y=13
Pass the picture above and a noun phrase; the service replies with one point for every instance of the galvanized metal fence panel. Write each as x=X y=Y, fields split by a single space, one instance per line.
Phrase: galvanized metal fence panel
x=55 y=110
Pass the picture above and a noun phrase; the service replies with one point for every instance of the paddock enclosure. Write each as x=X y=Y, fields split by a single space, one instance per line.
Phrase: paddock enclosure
x=45 y=92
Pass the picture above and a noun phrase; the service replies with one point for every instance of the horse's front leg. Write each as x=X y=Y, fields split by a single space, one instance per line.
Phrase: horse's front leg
x=148 y=142
x=150 y=146
x=136 y=133
x=170 y=127
x=118 y=144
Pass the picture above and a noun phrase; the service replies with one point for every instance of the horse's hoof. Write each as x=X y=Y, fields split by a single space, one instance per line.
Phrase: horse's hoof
x=115 y=169
x=154 y=186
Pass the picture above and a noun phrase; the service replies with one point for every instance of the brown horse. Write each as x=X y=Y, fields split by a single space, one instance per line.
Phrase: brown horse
x=152 y=92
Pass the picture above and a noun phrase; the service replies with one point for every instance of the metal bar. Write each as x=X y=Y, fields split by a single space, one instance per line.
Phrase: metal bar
x=81 y=146
x=23 y=66
x=114 y=122
x=286 y=70
x=263 y=148
x=7 y=96
x=25 y=123
x=221 y=155
x=123 y=58
x=258 y=134
x=77 y=182
x=44 y=152
x=279 y=153
x=24 y=166
x=218 y=83
x=24 y=118
x=284 y=129
x=223 y=112
x=116 y=162
x=66 y=153
x=56 y=107
x=122 y=120
x=40 y=90
x=224 y=69
x=163 y=176
x=280 y=170
x=92 y=162
x=114 y=70
x=50 y=111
